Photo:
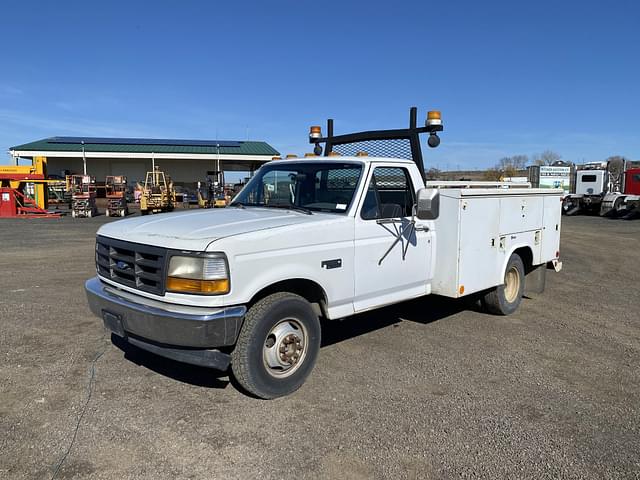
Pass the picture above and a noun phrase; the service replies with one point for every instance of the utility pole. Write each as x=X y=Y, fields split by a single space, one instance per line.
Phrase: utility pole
x=84 y=160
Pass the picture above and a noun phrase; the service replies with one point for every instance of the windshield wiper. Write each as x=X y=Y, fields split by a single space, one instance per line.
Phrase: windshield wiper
x=297 y=208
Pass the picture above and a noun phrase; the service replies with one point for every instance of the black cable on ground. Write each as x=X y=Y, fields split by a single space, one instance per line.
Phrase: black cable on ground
x=84 y=407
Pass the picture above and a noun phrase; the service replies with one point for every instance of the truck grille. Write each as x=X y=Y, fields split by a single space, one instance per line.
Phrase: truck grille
x=131 y=264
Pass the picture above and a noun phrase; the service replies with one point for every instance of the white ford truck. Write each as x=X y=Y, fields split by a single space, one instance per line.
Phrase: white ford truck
x=329 y=237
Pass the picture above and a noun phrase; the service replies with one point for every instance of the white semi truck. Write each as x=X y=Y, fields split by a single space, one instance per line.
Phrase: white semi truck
x=327 y=236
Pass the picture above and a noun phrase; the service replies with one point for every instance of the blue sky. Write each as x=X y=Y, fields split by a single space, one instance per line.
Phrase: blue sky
x=510 y=77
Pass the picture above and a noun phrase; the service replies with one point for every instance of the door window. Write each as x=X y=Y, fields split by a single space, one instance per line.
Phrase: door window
x=390 y=194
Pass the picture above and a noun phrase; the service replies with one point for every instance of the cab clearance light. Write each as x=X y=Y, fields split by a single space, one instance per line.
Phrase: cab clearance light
x=188 y=285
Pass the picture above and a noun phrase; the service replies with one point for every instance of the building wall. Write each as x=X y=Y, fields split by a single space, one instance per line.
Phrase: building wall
x=181 y=171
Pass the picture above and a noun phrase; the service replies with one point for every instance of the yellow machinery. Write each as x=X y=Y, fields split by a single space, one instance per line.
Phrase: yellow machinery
x=214 y=195
x=31 y=180
x=24 y=190
x=158 y=194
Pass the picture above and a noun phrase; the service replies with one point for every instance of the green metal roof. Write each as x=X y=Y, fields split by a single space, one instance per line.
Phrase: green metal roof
x=91 y=144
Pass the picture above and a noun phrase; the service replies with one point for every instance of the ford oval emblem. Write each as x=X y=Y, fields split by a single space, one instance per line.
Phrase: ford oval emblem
x=122 y=265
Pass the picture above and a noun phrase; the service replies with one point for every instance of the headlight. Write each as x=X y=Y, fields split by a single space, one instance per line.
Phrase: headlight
x=198 y=274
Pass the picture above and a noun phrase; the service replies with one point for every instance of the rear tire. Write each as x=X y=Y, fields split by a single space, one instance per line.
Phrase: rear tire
x=505 y=299
x=277 y=347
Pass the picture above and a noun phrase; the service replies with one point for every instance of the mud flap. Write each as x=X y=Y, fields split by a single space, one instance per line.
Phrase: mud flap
x=535 y=280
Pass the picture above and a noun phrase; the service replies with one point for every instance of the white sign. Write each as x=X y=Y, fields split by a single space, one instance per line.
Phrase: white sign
x=555 y=177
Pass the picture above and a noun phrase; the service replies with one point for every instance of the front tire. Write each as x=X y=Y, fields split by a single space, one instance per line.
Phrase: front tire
x=505 y=299
x=277 y=347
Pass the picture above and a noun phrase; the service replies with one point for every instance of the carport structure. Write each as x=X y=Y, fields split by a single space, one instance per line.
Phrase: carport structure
x=187 y=161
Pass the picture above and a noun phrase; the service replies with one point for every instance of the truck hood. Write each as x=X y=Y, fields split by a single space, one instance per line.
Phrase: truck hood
x=195 y=230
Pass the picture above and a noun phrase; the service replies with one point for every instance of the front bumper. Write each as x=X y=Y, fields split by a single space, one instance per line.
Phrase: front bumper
x=164 y=328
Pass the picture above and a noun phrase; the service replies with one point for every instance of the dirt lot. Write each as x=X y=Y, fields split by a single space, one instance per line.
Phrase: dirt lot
x=427 y=389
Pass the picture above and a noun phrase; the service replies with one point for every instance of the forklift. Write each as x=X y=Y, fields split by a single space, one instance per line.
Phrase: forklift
x=83 y=195
x=116 y=191
x=214 y=193
x=158 y=194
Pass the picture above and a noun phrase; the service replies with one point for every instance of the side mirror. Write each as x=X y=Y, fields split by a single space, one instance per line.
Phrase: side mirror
x=428 y=204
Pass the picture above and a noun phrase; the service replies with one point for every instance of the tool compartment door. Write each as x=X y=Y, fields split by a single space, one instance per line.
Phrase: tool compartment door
x=478 y=255
x=520 y=213
x=551 y=228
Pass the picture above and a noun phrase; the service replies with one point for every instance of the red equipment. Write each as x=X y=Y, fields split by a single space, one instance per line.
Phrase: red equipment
x=15 y=204
x=116 y=188
x=632 y=181
x=83 y=196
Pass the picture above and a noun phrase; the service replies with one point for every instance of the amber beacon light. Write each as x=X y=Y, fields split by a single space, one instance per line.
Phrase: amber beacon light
x=315 y=132
x=434 y=118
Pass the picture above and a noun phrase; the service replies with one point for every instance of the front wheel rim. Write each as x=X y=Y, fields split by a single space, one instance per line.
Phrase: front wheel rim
x=511 y=285
x=285 y=348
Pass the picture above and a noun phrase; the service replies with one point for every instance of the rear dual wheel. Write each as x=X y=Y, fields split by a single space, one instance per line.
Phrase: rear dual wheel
x=506 y=298
x=277 y=347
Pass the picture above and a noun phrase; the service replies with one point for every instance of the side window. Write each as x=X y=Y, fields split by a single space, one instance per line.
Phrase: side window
x=390 y=194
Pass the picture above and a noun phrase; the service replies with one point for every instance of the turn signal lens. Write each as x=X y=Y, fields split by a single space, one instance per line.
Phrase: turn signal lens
x=188 y=285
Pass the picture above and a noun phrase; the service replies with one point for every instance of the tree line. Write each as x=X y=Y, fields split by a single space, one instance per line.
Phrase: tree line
x=512 y=166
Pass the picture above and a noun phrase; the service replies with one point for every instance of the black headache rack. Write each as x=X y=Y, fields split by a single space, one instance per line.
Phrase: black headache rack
x=397 y=143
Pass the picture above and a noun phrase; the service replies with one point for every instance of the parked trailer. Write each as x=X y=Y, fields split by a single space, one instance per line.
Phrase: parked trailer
x=317 y=237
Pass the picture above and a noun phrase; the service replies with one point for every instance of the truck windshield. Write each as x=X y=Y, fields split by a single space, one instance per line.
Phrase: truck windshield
x=308 y=185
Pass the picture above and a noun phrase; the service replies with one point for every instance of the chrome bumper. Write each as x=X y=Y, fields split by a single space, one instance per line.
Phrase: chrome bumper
x=124 y=313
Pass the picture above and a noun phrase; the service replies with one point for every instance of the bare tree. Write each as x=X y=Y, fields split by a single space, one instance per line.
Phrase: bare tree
x=493 y=174
x=509 y=166
x=548 y=157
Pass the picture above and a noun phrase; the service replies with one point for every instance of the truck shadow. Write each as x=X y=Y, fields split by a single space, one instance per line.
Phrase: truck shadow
x=421 y=310
x=182 y=372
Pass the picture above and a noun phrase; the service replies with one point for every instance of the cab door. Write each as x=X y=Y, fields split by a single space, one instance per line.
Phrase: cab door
x=392 y=255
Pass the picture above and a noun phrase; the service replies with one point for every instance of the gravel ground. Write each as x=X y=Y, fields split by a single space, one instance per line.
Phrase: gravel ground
x=430 y=388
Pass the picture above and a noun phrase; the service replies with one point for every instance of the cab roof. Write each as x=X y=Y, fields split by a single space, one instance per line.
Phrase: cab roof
x=342 y=159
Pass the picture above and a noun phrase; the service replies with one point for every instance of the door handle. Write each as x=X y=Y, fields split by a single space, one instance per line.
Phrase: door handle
x=421 y=228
